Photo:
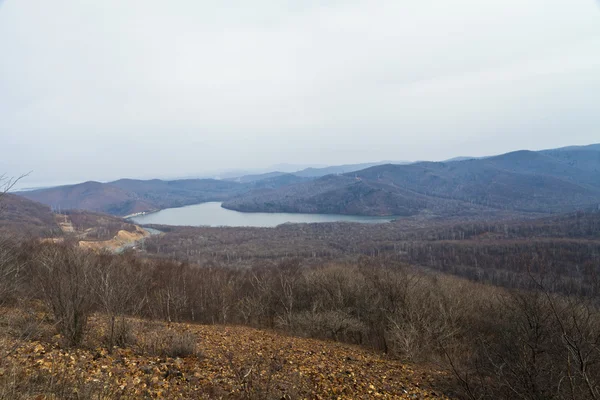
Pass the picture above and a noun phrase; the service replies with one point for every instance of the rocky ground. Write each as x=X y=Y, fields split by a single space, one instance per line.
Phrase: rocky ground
x=160 y=360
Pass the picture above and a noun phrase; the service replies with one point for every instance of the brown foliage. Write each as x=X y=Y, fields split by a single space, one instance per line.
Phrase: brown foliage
x=529 y=342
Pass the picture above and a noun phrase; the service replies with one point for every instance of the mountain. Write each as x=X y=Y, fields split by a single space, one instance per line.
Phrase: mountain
x=335 y=194
x=291 y=168
x=165 y=194
x=130 y=196
x=545 y=181
x=23 y=216
x=256 y=177
x=92 y=196
x=233 y=174
x=582 y=157
x=277 y=181
x=310 y=172
x=340 y=169
x=526 y=181
x=588 y=147
x=459 y=159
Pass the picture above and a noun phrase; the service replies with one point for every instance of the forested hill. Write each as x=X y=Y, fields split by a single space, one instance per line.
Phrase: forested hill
x=547 y=181
x=26 y=217
x=129 y=196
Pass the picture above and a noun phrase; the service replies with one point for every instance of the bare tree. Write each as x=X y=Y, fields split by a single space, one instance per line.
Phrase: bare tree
x=7 y=183
x=9 y=270
x=116 y=283
x=9 y=265
x=63 y=275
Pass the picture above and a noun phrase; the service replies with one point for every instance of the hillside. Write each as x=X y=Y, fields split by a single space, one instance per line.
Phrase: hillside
x=23 y=216
x=382 y=321
x=501 y=247
x=130 y=196
x=194 y=361
x=91 y=196
x=550 y=181
x=164 y=194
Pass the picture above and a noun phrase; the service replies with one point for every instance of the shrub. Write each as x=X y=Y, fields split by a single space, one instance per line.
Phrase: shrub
x=26 y=325
x=181 y=345
x=162 y=342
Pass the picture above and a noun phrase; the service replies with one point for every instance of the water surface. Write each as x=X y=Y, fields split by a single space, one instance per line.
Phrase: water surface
x=212 y=214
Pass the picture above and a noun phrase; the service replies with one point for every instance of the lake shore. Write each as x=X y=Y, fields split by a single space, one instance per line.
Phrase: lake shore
x=213 y=214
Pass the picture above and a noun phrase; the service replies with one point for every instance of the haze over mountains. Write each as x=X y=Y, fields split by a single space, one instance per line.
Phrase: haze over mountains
x=547 y=181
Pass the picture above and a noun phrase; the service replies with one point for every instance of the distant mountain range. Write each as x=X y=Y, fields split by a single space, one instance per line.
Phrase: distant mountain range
x=314 y=172
x=342 y=169
x=545 y=181
x=130 y=196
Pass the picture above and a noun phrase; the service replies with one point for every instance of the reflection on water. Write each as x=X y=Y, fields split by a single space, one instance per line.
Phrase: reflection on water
x=212 y=214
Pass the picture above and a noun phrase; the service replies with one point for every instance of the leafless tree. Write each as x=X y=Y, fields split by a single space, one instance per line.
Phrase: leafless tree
x=116 y=283
x=9 y=265
x=7 y=183
x=62 y=274
x=9 y=269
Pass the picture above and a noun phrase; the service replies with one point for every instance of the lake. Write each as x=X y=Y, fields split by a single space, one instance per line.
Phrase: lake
x=212 y=214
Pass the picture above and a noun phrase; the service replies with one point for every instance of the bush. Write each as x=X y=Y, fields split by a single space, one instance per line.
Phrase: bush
x=181 y=345
x=120 y=334
x=26 y=325
x=335 y=325
x=158 y=341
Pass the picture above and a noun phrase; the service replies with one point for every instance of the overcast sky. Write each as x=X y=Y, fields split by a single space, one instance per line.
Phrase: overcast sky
x=146 y=88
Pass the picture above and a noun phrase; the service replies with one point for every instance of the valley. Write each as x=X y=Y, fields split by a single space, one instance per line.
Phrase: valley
x=294 y=200
x=476 y=249
x=549 y=181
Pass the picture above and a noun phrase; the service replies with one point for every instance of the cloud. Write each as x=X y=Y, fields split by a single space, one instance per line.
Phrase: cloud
x=99 y=90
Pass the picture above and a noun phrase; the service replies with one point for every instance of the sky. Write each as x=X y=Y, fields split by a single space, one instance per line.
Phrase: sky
x=99 y=90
